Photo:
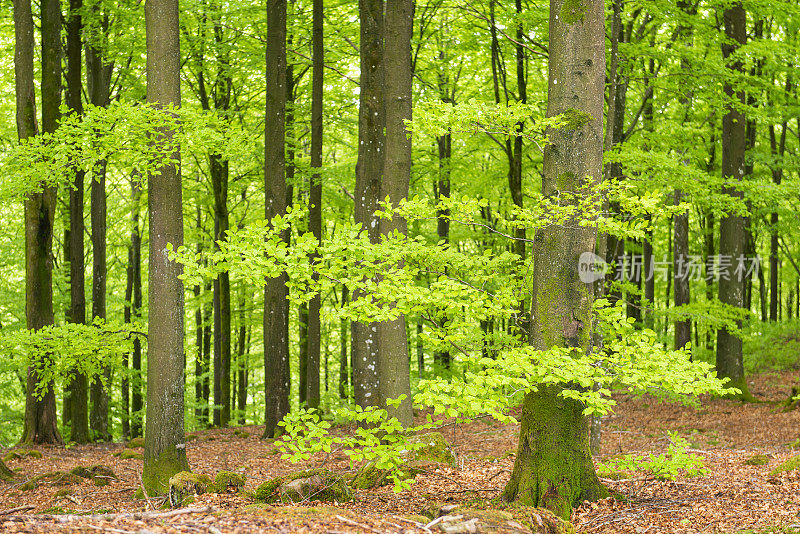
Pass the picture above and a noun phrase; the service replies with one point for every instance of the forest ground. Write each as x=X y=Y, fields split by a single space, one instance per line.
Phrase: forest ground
x=733 y=498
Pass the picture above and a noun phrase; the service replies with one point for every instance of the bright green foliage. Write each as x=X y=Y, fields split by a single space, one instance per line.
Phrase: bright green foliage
x=677 y=461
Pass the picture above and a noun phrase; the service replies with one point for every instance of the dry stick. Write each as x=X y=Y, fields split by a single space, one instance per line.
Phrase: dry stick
x=144 y=491
x=418 y=525
x=355 y=524
x=17 y=509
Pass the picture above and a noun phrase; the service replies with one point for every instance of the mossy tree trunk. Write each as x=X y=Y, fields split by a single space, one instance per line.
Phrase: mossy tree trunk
x=40 y=423
x=164 y=444
x=554 y=468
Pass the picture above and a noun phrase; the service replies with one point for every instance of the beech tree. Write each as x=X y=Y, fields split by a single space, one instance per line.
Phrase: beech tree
x=553 y=467
x=276 y=307
x=40 y=422
x=164 y=444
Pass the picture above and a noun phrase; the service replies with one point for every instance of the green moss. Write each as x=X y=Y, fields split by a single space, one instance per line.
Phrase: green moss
x=63 y=492
x=792 y=464
x=56 y=478
x=311 y=484
x=574 y=119
x=241 y=433
x=370 y=476
x=226 y=480
x=129 y=454
x=18 y=454
x=757 y=459
x=573 y=11
x=435 y=450
x=135 y=443
x=158 y=471
x=185 y=484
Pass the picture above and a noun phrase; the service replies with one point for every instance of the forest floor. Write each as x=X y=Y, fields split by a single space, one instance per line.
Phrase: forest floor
x=734 y=497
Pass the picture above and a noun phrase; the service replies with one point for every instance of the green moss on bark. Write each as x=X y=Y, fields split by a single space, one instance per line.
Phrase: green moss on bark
x=573 y=11
x=311 y=484
x=226 y=480
x=158 y=471
x=553 y=468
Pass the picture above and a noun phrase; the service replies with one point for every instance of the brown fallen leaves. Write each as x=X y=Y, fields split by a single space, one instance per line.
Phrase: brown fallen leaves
x=734 y=497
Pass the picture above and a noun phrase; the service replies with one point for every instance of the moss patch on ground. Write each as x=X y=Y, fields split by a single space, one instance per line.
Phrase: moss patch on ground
x=56 y=478
x=311 y=484
x=757 y=459
x=227 y=480
x=792 y=464
x=18 y=454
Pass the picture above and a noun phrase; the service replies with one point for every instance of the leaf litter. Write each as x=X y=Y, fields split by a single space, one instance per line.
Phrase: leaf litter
x=734 y=497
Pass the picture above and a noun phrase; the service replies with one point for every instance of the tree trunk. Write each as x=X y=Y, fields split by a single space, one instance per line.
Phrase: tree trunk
x=343 y=352
x=369 y=174
x=276 y=307
x=78 y=387
x=40 y=423
x=777 y=149
x=393 y=362
x=98 y=77
x=136 y=308
x=680 y=259
x=302 y=363
x=729 y=362
x=314 y=331
x=164 y=446
x=200 y=408
x=553 y=467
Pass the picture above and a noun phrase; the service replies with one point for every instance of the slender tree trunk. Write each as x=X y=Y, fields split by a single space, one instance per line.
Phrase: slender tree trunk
x=98 y=77
x=302 y=364
x=164 y=446
x=315 y=196
x=78 y=388
x=244 y=350
x=343 y=352
x=729 y=362
x=709 y=253
x=136 y=307
x=276 y=307
x=40 y=422
x=777 y=149
x=680 y=259
x=553 y=467
x=200 y=408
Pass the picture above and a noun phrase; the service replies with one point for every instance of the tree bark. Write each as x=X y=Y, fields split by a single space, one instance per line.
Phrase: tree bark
x=136 y=307
x=777 y=149
x=314 y=331
x=40 y=423
x=98 y=77
x=276 y=306
x=680 y=259
x=164 y=446
x=393 y=361
x=369 y=174
x=553 y=467
x=78 y=387
x=729 y=362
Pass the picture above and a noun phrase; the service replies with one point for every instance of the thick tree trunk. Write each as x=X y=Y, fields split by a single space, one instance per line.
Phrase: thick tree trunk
x=276 y=307
x=40 y=423
x=393 y=361
x=553 y=467
x=369 y=174
x=222 y=298
x=314 y=331
x=729 y=362
x=164 y=446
